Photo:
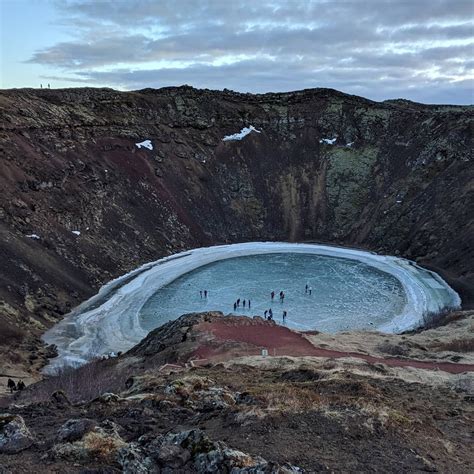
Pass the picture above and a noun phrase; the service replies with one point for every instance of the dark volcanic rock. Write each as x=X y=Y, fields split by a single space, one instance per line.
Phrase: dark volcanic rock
x=74 y=430
x=14 y=434
x=168 y=337
x=193 y=451
x=397 y=180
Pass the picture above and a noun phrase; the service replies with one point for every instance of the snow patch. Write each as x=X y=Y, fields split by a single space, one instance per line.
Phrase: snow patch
x=349 y=145
x=243 y=133
x=33 y=236
x=328 y=141
x=146 y=144
x=76 y=232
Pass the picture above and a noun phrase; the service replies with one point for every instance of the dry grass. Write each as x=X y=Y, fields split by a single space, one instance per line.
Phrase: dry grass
x=386 y=416
x=392 y=349
x=456 y=345
x=284 y=397
x=102 y=447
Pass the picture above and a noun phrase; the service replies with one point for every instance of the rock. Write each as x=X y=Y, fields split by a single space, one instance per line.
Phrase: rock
x=95 y=445
x=14 y=434
x=74 y=430
x=193 y=451
x=186 y=385
x=245 y=398
x=198 y=393
x=60 y=398
x=51 y=351
x=174 y=450
x=172 y=456
x=70 y=451
x=108 y=398
x=134 y=461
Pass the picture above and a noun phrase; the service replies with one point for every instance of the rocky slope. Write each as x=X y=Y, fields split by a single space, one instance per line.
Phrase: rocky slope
x=397 y=179
x=161 y=407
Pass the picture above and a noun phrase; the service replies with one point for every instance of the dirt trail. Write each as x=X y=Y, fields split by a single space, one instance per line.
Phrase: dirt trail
x=280 y=340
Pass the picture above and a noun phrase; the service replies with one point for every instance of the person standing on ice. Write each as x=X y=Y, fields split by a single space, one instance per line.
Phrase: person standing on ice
x=238 y=302
x=284 y=315
x=265 y=314
x=243 y=303
x=310 y=290
x=270 y=313
x=235 y=306
x=249 y=304
x=205 y=293
x=272 y=294
x=306 y=288
x=200 y=293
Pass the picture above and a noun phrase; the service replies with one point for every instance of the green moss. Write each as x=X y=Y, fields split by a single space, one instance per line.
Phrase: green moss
x=372 y=113
x=348 y=182
x=334 y=107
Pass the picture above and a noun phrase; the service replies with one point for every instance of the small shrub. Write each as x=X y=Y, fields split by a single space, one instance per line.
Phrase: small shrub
x=81 y=384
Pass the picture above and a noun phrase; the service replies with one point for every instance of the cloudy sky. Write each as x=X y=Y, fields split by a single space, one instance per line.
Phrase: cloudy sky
x=381 y=49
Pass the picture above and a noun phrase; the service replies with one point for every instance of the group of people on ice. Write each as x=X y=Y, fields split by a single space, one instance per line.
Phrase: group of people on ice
x=268 y=313
x=245 y=303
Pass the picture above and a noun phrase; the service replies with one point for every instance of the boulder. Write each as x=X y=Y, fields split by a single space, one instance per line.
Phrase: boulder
x=60 y=399
x=199 y=393
x=14 y=434
x=74 y=430
x=133 y=460
x=193 y=451
x=99 y=442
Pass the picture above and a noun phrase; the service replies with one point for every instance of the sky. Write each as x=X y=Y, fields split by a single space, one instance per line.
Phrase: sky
x=420 y=50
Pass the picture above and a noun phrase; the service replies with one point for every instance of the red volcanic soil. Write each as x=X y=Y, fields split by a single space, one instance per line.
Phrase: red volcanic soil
x=245 y=336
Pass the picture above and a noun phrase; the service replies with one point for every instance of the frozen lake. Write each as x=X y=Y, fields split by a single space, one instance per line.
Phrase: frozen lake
x=351 y=289
x=346 y=294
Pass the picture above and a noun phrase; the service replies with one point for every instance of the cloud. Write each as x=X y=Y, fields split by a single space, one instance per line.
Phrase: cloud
x=377 y=48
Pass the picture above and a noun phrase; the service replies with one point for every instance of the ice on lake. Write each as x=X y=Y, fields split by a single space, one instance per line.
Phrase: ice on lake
x=345 y=293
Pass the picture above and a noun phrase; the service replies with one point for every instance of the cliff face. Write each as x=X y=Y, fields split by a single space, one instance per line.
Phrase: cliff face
x=397 y=179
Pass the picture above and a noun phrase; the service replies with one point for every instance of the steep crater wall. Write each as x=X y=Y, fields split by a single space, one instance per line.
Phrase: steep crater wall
x=397 y=179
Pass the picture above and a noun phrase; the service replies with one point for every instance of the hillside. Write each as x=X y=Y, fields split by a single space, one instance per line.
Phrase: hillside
x=196 y=396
